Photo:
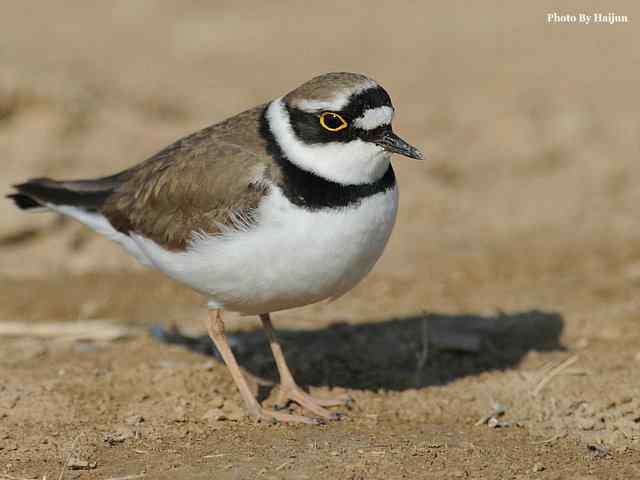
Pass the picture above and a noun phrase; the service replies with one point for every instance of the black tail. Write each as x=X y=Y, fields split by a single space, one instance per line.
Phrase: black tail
x=23 y=202
x=87 y=194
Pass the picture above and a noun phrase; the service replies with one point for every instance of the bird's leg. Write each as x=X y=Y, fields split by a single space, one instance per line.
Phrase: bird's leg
x=289 y=389
x=216 y=332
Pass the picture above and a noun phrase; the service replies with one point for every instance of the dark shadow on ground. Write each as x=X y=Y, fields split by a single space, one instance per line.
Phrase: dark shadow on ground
x=388 y=354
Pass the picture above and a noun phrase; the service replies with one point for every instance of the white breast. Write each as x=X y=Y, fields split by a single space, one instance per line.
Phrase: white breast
x=290 y=257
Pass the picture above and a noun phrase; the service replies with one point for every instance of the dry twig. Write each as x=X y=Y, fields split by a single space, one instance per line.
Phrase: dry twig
x=423 y=354
x=66 y=462
x=95 y=330
x=6 y=476
x=288 y=462
x=553 y=373
x=128 y=477
x=550 y=440
x=497 y=410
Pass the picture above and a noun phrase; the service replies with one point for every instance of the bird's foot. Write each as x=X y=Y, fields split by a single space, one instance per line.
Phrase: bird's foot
x=293 y=393
x=272 y=416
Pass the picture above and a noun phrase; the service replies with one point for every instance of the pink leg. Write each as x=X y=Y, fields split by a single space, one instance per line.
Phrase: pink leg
x=216 y=332
x=289 y=390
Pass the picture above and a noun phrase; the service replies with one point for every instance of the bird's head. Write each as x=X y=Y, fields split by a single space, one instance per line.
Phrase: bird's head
x=338 y=126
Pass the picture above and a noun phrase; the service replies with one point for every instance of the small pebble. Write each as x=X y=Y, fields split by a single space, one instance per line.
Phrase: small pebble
x=538 y=467
x=208 y=366
x=134 y=419
x=493 y=422
x=214 y=415
x=180 y=415
x=598 y=450
x=119 y=436
x=85 y=347
x=586 y=424
x=78 y=464
x=167 y=364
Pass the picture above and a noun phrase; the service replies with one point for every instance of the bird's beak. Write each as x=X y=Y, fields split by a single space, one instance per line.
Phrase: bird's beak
x=393 y=143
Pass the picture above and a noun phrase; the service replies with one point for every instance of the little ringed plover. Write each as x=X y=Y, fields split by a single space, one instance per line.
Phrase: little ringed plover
x=284 y=205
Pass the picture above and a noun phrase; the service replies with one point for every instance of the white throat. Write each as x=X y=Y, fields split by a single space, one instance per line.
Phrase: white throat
x=352 y=163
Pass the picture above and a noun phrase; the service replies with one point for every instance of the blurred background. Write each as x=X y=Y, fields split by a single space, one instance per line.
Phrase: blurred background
x=528 y=199
x=531 y=129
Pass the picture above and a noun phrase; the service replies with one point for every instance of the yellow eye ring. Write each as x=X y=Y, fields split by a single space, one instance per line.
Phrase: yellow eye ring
x=333 y=122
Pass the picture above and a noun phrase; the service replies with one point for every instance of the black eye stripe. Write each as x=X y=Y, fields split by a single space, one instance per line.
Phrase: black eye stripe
x=369 y=135
x=307 y=125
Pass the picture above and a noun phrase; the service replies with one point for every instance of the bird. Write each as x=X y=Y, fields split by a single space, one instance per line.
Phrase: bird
x=286 y=204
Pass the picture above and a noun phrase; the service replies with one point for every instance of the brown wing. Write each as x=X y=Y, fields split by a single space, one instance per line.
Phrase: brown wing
x=197 y=184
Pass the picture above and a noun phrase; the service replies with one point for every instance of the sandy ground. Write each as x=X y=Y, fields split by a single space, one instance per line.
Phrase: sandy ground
x=519 y=237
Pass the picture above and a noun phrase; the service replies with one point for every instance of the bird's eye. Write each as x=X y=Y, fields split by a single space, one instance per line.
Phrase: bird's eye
x=332 y=121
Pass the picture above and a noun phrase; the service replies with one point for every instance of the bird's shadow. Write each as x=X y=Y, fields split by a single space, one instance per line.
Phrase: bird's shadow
x=394 y=354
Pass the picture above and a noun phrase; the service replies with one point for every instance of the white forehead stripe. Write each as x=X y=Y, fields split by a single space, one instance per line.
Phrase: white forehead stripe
x=374 y=118
x=338 y=102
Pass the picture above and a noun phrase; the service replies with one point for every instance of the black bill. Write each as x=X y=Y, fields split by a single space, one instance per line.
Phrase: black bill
x=393 y=143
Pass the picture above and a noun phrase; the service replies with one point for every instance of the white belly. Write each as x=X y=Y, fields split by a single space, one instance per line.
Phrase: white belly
x=289 y=258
